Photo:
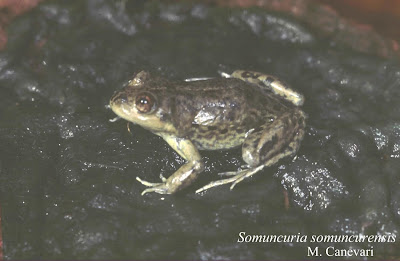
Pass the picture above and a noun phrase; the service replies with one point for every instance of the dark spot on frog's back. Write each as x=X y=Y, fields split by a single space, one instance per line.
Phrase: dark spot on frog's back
x=249 y=75
x=269 y=80
x=210 y=136
x=212 y=128
x=223 y=131
x=231 y=115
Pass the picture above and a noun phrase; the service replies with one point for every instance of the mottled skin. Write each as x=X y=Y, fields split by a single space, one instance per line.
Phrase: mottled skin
x=250 y=109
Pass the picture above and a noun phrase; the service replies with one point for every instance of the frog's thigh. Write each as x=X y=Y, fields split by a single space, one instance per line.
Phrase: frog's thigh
x=273 y=139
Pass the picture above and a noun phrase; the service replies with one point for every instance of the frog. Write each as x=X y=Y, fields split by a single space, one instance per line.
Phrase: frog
x=256 y=111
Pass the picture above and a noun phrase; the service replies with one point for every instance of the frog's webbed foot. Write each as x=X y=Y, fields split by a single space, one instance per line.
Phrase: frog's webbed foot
x=238 y=176
x=160 y=187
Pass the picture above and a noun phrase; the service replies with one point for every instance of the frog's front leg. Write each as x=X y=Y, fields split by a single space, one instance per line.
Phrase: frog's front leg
x=266 y=145
x=185 y=175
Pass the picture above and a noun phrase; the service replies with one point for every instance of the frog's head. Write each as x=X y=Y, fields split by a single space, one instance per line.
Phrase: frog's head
x=139 y=104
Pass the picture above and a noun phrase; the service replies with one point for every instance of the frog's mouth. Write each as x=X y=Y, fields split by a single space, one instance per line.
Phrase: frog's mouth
x=119 y=104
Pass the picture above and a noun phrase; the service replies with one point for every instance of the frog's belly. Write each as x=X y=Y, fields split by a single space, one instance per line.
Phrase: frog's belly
x=217 y=137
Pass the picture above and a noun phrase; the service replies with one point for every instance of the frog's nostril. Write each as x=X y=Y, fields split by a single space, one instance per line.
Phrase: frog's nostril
x=119 y=97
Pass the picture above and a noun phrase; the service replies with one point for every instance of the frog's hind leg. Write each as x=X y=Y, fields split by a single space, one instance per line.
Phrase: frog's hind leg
x=236 y=178
x=271 y=83
x=268 y=137
x=242 y=174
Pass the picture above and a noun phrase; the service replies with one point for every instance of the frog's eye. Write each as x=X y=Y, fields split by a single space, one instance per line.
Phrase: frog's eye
x=144 y=102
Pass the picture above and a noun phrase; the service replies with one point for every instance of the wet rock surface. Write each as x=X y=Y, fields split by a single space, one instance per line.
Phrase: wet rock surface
x=67 y=174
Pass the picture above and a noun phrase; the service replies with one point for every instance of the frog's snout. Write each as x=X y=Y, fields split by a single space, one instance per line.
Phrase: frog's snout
x=118 y=98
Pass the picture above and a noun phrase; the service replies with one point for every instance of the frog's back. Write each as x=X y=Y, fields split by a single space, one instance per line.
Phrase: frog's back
x=217 y=113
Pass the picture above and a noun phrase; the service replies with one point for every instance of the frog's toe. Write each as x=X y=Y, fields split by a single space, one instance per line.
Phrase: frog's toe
x=228 y=173
x=245 y=174
x=151 y=184
x=157 y=187
x=160 y=189
x=234 y=173
x=148 y=184
x=238 y=176
x=163 y=179
x=216 y=183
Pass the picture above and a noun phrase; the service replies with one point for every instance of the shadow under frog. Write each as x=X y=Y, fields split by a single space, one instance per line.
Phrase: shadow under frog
x=251 y=109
